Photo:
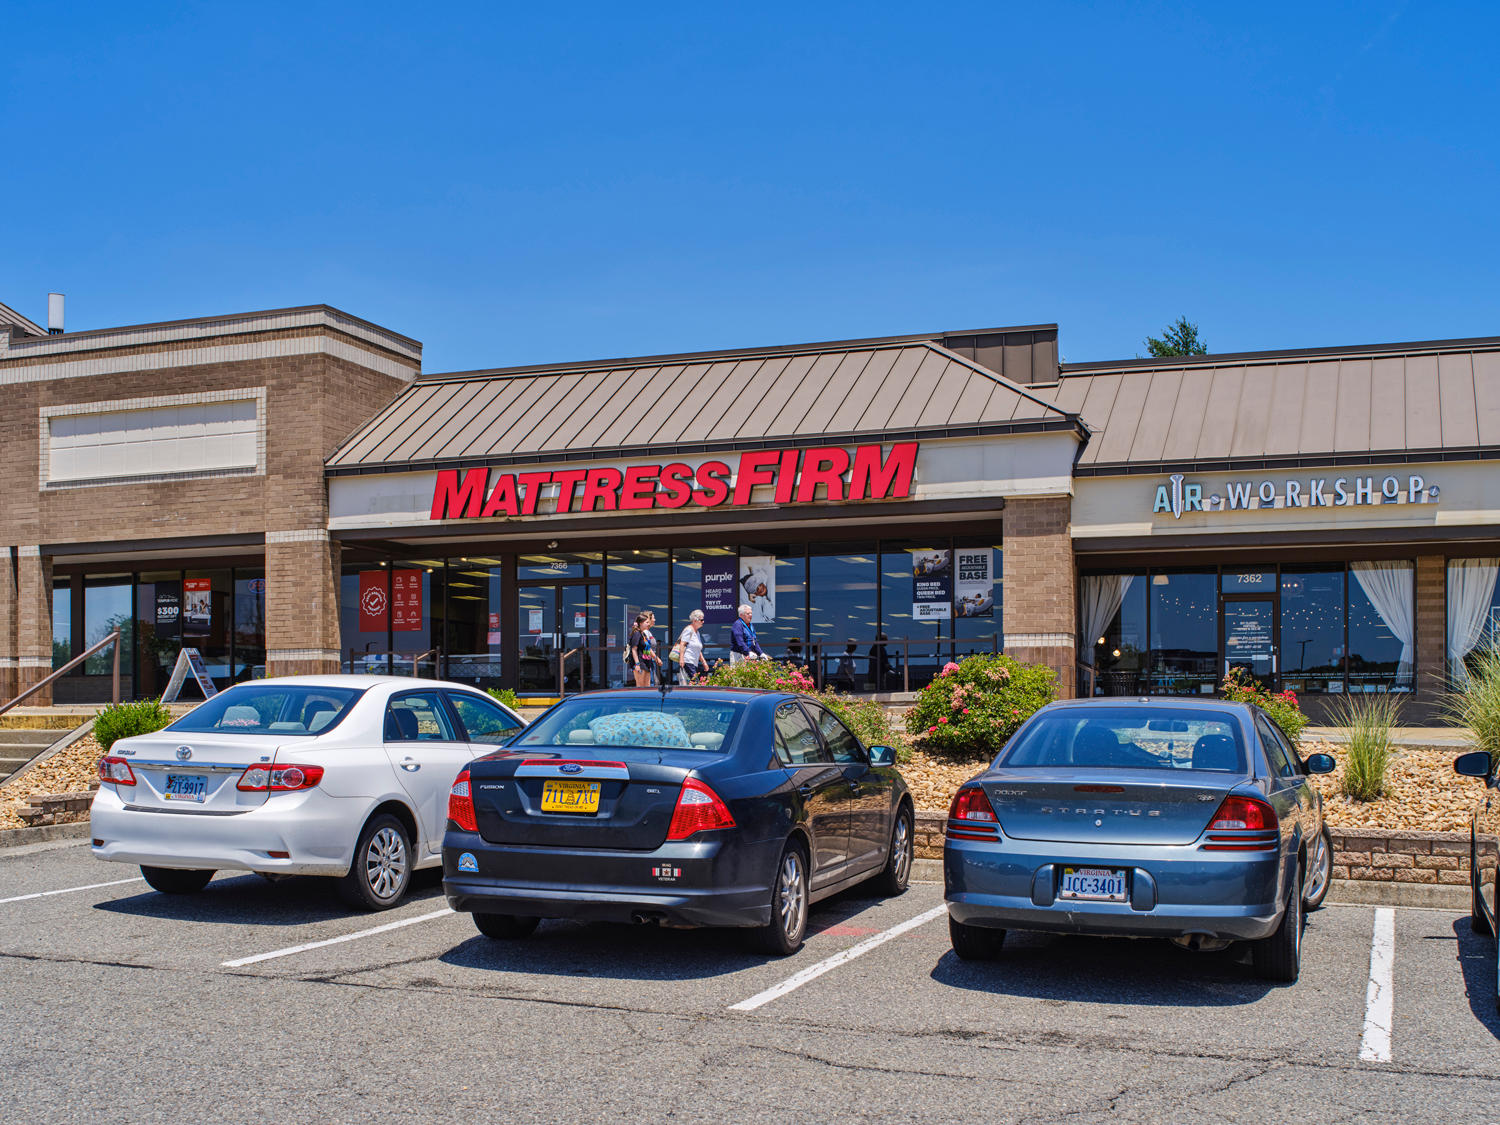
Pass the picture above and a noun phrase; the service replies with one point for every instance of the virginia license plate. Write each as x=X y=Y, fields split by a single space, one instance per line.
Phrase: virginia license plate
x=186 y=787
x=570 y=796
x=1097 y=884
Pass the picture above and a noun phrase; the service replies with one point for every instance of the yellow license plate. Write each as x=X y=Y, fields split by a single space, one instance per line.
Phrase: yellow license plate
x=570 y=796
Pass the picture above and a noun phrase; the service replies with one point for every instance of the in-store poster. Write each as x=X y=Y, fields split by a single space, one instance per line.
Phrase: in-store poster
x=374 y=601
x=493 y=637
x=757 y=587
x=720 y=597
x=974 y=582
x=168 y=610
x=406 y=601
x=931 y=585
x=534 y=622
x=197 y=604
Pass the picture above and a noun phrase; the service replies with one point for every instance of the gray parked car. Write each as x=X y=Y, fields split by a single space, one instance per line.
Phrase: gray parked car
x=1192 y=820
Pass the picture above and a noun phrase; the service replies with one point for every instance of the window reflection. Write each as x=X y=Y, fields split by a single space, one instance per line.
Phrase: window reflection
x=1184 y=653
x=1312 y=629
x=844 y=583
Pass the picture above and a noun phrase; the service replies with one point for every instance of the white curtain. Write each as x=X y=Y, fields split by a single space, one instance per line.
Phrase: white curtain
x=1471 y=591
x=1389 y=587
x=1102 y=595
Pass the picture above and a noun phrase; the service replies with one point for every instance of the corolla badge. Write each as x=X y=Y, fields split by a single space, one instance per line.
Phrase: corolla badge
x=184 y=753
x=467 y=862
x=570 y=767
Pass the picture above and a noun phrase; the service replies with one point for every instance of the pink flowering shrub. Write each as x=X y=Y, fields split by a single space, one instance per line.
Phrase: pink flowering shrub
x=973 y=707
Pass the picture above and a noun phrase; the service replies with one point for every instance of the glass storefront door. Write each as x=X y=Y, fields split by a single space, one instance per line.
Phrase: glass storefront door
x=1249 y=626
x=560 y=637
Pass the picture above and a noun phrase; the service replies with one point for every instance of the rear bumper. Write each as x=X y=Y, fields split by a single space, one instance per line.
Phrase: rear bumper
x=708 y=882
x=315 y=830
x=1174 y=891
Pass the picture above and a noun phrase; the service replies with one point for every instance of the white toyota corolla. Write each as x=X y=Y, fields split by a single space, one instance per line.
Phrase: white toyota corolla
x=344 y=776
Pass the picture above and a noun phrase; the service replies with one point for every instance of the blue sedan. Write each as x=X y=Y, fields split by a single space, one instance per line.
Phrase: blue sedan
x=1182 y=819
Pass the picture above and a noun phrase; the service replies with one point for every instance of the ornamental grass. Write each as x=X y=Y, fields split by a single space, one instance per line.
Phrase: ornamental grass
x=1368 y=721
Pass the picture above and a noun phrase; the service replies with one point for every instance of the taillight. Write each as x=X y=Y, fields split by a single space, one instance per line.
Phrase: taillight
x=116 y=771
x=971 y=816
x=1243 y=814
x=461 y=803
x=699 y=809
x=278 y=778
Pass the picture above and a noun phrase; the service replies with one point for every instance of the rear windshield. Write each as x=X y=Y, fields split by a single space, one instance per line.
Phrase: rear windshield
x=270 y=709
x=679 y=724
x=1156 y=738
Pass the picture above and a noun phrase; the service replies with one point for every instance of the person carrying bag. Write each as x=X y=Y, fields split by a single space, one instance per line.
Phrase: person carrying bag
x=687 y=653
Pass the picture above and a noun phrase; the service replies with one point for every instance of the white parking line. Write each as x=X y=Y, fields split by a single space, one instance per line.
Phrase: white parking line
x=812 y=972
x=1375 y=1043
x=72 y=890
x=303 y=948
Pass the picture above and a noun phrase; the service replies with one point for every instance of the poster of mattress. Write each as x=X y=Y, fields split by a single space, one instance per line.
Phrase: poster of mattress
x=931 y=585
x=757 y=587
x=197 y=604
x=974 y=582
x=720 y=594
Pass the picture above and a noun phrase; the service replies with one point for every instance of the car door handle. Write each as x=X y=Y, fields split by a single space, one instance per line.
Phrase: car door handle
x=854 y=788
x=804 y=791
x=410 y=765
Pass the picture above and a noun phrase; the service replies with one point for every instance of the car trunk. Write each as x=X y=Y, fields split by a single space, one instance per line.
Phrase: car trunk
x=193 y=773
x=1113 y=806
x=543 y=799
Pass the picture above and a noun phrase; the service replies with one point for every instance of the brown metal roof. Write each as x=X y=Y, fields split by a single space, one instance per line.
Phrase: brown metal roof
x=1437 y=400
x=707 y=400
x=19 y=323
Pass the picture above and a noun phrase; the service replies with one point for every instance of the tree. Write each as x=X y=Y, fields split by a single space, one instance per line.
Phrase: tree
x=1180 y=338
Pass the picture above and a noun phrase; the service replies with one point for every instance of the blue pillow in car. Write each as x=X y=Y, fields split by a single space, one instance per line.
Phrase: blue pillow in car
x=639 y=728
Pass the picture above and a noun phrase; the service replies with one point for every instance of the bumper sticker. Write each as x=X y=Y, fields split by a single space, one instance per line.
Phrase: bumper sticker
x=467 y=862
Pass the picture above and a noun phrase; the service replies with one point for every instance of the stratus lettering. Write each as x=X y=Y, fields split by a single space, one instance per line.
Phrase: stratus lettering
x=831 y=473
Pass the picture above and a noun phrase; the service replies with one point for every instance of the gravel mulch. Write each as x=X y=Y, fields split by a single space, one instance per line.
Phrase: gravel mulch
x=73 y=770
x=1422 y=792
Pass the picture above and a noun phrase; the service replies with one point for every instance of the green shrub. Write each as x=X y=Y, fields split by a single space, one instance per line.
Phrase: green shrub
x=122 y=720
x=1367 y=720
x=507 y=697
x=1281 y=707
x=974 y=706
x=769 y=675
x=1476 y=702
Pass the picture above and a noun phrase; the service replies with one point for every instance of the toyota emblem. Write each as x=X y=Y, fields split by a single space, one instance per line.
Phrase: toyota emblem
x=184 y=753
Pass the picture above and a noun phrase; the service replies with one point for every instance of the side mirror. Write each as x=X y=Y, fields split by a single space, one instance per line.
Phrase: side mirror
x=1320 y=763
x=882 y=756
x=1476 y=764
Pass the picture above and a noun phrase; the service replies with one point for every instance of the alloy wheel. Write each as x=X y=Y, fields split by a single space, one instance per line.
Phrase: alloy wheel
x=791 y=895
x=1319 y=868
x=902 y=847
x=385 y=863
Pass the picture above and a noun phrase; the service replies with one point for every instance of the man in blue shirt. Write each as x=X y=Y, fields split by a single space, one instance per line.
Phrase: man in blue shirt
x=742 y=642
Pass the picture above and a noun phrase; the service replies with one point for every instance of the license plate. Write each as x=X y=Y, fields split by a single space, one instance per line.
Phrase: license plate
x=1097 y=884
x=186 y=787
x=570 y=796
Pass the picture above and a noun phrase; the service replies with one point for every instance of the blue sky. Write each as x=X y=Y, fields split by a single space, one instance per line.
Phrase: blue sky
x=518 y=184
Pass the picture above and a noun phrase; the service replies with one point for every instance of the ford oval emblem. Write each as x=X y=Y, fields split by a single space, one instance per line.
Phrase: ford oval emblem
x=570 y=767
x=184 y=753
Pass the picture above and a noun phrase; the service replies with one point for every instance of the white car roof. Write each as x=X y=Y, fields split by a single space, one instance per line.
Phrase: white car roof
x=356 y=681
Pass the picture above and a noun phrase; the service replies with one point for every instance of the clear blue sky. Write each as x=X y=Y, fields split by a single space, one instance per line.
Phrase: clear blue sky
x=516 y=184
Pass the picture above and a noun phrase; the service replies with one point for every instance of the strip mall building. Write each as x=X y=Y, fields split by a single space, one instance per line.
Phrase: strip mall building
x=287 y=491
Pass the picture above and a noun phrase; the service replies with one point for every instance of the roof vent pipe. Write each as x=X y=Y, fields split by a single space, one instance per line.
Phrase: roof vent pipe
x=54 y=314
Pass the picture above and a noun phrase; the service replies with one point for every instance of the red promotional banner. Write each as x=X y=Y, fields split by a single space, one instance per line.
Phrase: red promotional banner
x=374 y=603
x=406 y=601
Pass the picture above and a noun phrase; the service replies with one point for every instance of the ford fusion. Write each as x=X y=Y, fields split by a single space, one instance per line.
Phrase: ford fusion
x=698 y=807
x=1187 y=820
x=343 y=776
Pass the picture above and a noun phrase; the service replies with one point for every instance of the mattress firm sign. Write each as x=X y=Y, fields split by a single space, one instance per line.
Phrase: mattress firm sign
x=1179 y=496
x=793 y=476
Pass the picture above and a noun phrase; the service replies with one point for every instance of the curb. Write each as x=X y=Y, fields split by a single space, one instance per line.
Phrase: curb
x=16 y=837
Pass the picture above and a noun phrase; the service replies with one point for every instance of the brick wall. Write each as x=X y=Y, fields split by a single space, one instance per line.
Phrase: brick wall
x=1039 y=591
x=1432 y=626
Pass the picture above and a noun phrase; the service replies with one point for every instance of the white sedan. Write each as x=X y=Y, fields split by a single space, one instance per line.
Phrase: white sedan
x=344 y=776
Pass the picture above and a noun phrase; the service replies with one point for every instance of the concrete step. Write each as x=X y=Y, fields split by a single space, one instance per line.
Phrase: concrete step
x=29 y=737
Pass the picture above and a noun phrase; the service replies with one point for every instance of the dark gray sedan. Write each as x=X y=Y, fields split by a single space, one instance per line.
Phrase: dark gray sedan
x=1183 y=819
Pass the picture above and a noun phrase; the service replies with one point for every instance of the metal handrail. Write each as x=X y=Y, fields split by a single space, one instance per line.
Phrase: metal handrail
x=113 y=638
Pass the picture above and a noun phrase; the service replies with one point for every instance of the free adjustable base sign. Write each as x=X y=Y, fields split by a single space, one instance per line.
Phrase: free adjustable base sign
x=189 y=663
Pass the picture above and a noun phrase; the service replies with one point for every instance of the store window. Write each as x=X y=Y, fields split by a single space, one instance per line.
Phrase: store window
x=977 y=598
x=1112 y=643
x=62 y=624
x=473 y=643
x=1312 y=629
x=1473 y=613
x=1184 y=651
x=158 y=623
x=1381 y=629
x=701 y=575
x=560 y=564
x=843 y=591
x=365 y=616
x=107 y=607
x=206 y=616
x=416 y=610
x=771 y=578
x=639 y=580
x=916 y=611
x=249 y=625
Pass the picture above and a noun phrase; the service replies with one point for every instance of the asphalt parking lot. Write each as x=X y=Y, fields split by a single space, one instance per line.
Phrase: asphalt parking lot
x=263 y=1002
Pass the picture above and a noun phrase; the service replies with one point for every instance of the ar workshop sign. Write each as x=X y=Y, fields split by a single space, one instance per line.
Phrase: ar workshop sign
x=1181 y=497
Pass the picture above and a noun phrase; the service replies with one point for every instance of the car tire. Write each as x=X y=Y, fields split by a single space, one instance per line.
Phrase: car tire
x=1279 y=957
x=506 y=927
x=790 y=900
x=1319 y=871
x=1479 y=921
x=174 y=880
x=895 y=877
x=381 y=869
x=974 y=943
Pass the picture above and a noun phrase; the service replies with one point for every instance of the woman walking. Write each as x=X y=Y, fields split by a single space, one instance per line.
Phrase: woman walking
x=691 y=642
x=640 y=649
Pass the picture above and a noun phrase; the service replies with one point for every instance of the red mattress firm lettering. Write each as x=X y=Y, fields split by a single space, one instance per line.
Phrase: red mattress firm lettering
x=869 y=472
